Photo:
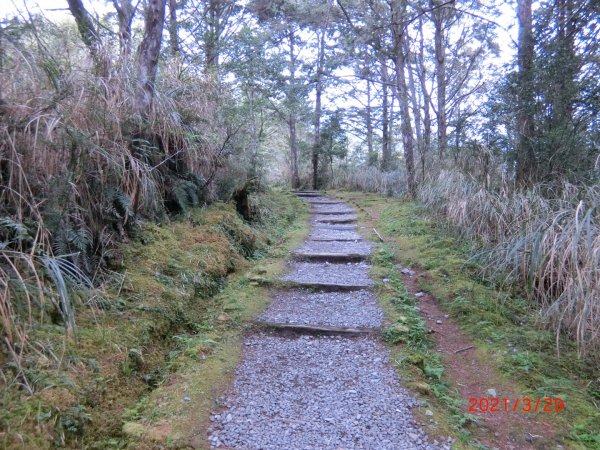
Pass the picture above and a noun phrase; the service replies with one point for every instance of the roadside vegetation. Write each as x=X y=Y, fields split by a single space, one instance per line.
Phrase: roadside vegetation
x=184 y=287
x=505 y=326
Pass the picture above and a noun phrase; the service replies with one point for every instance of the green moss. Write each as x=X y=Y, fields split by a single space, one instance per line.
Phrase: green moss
x=178 y=308
x=504 y=325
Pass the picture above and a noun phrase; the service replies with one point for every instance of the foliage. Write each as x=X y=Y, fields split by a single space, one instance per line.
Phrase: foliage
x=504 y=326
x=174 y=299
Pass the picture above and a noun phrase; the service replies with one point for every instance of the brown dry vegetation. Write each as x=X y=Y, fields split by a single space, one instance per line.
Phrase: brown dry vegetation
x=79 y=169
x=543 y=241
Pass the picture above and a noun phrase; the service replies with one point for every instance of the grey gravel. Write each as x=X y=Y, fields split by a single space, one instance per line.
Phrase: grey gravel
x=334 y=218
x=317 y=393
x=332 y=209
x=327 y=392
x=327 y=234
x=347 y=274
x=335 y=247
x=357 y=309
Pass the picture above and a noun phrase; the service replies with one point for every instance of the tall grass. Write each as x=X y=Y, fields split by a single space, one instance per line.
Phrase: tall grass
x=369 y=179
x=78 y=168
x=547 y=244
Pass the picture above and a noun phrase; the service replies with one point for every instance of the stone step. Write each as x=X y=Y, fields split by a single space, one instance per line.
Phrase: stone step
x=319 y=201
x=334 y=239
x=333 y=226
x=331 y=257
x=315 y=329
x=334 y=213
x=334 y=221
x=308 y=194
x=329 y=235
x=328 y=286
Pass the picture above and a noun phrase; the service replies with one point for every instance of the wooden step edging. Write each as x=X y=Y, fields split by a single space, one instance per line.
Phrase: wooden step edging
x=331 y=257
x=315 y=329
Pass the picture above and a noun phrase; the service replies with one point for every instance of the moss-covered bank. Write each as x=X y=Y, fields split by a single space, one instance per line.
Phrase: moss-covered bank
x=184 y=293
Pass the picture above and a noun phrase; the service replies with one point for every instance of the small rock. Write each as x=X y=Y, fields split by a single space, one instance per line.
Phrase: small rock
x=407 y=271
x=492 y=392
x=187 y=399
x=429 y=412
x=419 y=294
x=413 y=436
x=386 y=280
x=439 y=322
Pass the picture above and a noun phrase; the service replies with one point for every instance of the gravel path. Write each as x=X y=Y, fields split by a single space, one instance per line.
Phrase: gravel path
x=324 y=234
x=335 y=247
x=297 y=392
x=316 y=393
x=347 y=274
x=332 y=209
x=358 y=309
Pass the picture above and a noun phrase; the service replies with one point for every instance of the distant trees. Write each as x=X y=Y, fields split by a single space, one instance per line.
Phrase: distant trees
x=422 y=98
x=556 y=119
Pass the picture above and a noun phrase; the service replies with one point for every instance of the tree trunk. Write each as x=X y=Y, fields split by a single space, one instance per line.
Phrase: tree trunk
x=292 y=104
x=438 y=15
x=525 y=159
x=211 y=42
x=148 y=54
x=125 y=13
x=370 y=150
x=293 y=151
x=317 y=124
x=89 y=36
x=422 y=73
x=173 y=27
x=416 y=106
x=399 y=37
x=386 y=155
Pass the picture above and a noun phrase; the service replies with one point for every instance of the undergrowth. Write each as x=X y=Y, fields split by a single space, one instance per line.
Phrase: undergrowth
x=157 y=312
x=544 y=240
x=420 y=364
x=518 y=340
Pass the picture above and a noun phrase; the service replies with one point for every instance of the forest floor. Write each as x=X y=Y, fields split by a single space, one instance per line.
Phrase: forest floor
x=455 y=337
x=179 y=305
x=374 y=333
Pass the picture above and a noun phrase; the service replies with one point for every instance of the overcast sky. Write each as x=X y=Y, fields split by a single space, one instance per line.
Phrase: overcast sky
x=58 y=10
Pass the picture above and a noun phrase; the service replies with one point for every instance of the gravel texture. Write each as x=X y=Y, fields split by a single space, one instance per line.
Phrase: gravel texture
x=334 y=218
x=332 y=209
x=356 y=309
x=347 y=274
x=333 y=226
x=316 y=393
x=324 y=234
x=335 y=247
x=302 y=392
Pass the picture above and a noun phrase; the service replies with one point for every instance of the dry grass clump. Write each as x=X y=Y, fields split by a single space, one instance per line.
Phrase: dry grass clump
x=551 y=248
x=369 y=179
x=79 y=169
